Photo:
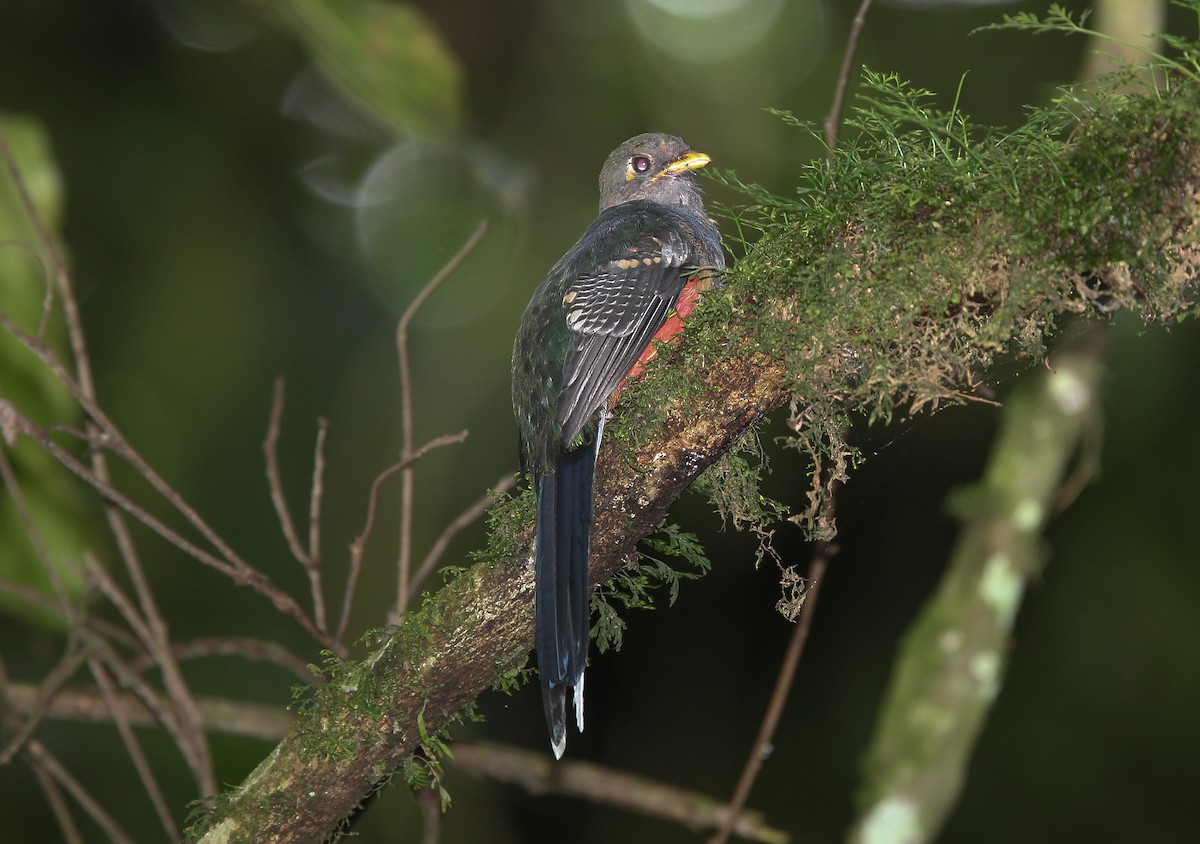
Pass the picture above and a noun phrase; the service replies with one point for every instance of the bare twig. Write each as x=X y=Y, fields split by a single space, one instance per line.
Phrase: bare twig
x=239 y=571
x=218 y=715
x=304 y=556
x=182 y=719
x=759 y=751
x=833 y=123
x=155 y=702
x=464 y=519
x=278 y=499
x=41 y=757
x=360 y=542
x=316 y=495
x=83 y=389
x=406 y=413
x=75 y=654
x=58 y=805
x=188 y=735
x=33 y=597
x=255 y=650
x=26 y=593
x=34 y=534
x=539 y=775
x=58 y=266
x=108 y=436
x=134 y=748
x=430 y=801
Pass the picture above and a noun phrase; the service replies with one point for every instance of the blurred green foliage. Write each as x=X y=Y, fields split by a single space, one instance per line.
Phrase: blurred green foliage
x=50 y=516
x=385 y=55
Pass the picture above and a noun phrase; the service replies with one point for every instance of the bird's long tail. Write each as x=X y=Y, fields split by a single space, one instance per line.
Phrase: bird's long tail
x=564 y=529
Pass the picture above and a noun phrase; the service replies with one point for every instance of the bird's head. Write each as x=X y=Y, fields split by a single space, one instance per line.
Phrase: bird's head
x=656 y=167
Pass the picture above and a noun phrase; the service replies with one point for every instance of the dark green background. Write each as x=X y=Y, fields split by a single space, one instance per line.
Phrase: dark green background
x=208 y=264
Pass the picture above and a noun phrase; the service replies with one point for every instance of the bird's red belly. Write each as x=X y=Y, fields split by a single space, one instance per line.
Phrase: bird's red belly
x=683 y=309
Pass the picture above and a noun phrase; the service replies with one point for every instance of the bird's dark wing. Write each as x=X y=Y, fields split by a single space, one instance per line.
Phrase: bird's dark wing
x=629 y=278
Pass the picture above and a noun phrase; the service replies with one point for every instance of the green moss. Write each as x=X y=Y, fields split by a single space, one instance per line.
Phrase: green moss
x=635 y=587
x=919 y=252
x=508 y=521
x=926 y=246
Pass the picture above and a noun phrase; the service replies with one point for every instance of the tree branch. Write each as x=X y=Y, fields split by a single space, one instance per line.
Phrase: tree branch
x=951 y=666
x=537 y=773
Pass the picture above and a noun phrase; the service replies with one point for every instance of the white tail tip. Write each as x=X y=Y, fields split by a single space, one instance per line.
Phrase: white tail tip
x=579 y=704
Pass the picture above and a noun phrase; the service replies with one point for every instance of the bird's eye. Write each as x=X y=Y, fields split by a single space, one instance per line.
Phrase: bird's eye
x=639 y=163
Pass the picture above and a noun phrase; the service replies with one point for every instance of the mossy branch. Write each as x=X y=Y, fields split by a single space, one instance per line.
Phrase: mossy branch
x=951 y=666
x=924 y=251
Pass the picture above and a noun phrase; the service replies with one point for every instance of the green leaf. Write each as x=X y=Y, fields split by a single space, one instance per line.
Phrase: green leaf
x=387 y=56
x=43 y=519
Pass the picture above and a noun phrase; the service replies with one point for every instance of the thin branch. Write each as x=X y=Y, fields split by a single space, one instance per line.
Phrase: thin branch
x=833 y=123
x=108 y=436
x=238 y=571
x=406 y=412
x=539 y=775
x=152 y=699
x=32 y=531
x=315 y=497
x=75 y=654
x=47 y=240
x=218 y=715
x=28 y=594
x=255 y=650
x=430 y=802
x=465 y=518
x=83 y=389
x=41 y=757
x=58 y=805
x=783 y=683
x=134 y=748
x=182 y=720
x=360 y=542
x=279 y=500
x=35 y=598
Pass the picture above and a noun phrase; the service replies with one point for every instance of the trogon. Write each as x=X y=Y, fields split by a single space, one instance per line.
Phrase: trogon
x=630 y=281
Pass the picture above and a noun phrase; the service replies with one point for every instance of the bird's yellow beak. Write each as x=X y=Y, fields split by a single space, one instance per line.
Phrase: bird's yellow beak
x=688 y=161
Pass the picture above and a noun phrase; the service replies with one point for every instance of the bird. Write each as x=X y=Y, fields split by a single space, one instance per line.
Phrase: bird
x=594 y=321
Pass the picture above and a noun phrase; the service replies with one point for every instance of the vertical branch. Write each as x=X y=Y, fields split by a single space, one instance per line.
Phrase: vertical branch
x=1122 y=37
x=36 y=540
x=359 y=545
x=315 y=497
x=197 y=748
x=833 y=123
x=463 y=520
x=104 y=434
x=42 y=759
x=783 y=683
x=950 y=668
x=57 y=265
x=58 y=805
x=184 y=721
x=109 y=693
x=75 y=654
x=306 y=557
x=406 y=415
